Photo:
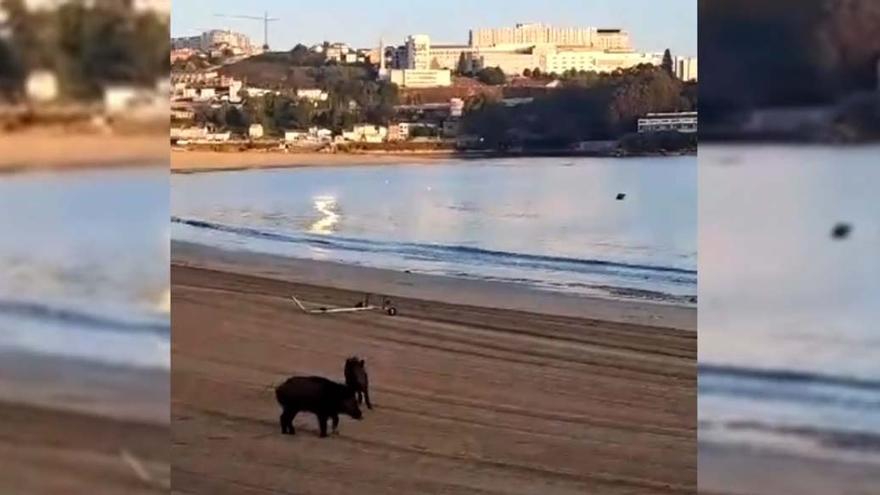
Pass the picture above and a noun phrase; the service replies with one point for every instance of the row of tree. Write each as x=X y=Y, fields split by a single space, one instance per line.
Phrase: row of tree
x=589 y=107
x=86 y=44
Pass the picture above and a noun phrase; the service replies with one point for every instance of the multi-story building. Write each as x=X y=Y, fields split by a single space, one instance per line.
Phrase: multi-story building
x=215 y=39
x=418 y=52
x=420 y=78
x=542 y=34
x=561 y=60
x=685 y=68
x=510 y=62
x=685 y=122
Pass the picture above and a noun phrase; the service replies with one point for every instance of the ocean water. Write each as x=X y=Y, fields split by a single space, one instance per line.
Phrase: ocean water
x=84 y=261
x=789 y=345
x=549 y=223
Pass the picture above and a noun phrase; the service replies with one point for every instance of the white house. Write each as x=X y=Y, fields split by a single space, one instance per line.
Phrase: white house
x=255 y=131
x=189 y=133
x=42 y=86
x=314 y=94
x=366 y=133
x=219 y=136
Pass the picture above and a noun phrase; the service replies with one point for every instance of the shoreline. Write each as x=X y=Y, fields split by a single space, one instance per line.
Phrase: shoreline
x=616 y=397
x=192 y=161
x=59 y=150
x=84 y=387
x=69 y=426
x=438 y=288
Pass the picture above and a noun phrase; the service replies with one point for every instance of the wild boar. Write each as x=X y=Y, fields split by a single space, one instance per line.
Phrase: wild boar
x=324 y=398
x=356 y=379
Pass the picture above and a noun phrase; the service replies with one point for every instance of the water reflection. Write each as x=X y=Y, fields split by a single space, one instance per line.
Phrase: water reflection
x=532 y=221
x=326 y=206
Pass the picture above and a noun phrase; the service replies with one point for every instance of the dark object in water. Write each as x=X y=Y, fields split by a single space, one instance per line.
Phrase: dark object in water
x=324 y=398
x=620 y=196
x=841 y=231
x=356 y=378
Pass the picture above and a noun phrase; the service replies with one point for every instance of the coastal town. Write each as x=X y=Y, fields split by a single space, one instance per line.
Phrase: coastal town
x=229 y=93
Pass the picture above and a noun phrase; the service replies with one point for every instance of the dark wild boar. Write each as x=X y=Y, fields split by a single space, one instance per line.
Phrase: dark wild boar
x=356 y=379
x=324 y=398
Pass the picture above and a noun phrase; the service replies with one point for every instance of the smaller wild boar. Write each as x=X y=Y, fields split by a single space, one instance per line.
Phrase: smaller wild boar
x=356 y=379
x=324 y=398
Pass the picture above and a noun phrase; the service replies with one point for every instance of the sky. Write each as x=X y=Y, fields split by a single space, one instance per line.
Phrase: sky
x=654 y=25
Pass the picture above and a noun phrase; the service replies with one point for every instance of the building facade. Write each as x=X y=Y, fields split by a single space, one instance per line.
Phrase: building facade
x=685 y=122
x=215 y=39
x=416 y=78
x=560 y=61
x=543 y=34
x=418 y=52
x=685 y=68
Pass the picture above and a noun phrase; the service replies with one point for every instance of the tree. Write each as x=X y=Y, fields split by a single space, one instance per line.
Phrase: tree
x=463 y=67
x=595 y=107
x=10 y=72
x=235 y=119
x=527 y=73
x=493 y=76
x=667 y=62
x=536 y=73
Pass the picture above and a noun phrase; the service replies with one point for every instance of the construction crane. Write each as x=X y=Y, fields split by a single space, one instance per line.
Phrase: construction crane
x=266 y=20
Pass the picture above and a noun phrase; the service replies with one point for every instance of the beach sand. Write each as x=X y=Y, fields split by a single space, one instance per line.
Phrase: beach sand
x=59 y=150
x=211 y=161
x=73 y=427
x=740 y=470
x=468 y=398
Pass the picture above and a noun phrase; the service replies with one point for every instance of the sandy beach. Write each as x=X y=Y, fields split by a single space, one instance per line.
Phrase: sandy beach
x=740 y=470
x=59 y=150
x=188 y=161
x=547 y=398
x=73 y=427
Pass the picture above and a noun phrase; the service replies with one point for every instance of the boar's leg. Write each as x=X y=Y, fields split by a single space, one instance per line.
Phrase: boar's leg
x=322 y=423
x=335 y=418
x=367 y=397
x=287 y=421
x=359 y=396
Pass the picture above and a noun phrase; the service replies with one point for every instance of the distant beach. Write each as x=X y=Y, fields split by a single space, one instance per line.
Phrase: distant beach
x=59 y=149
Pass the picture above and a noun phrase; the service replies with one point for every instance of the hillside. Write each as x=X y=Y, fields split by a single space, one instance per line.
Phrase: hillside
x=276 y=70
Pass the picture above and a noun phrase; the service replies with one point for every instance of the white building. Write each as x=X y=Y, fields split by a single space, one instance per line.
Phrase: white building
x=417 y=78
x=255 y=131
x=42 y=86
x=561 y=60
x=685 y=122
x=119 y=98
x=189 y=133
x=312 y=135
x=256 y=92
x=216 y=39
x=685 y=68
x=219 y=136
x=366 y=133
x=524 y=35
x=531 y=46
x=312 y=94
x=418 y=52
x=399 y=131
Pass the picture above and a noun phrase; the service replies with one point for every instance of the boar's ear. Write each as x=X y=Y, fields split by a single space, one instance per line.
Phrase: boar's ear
x=363 y=362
